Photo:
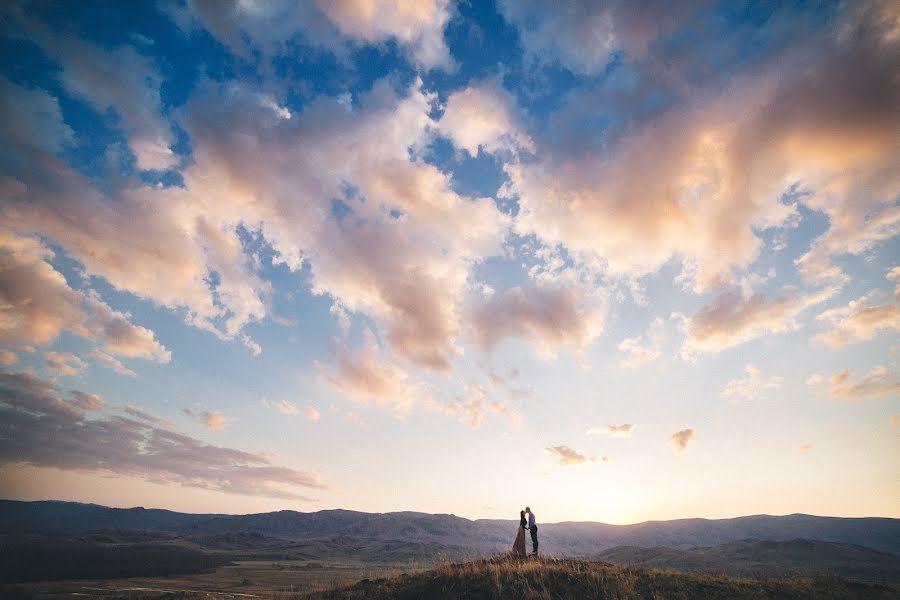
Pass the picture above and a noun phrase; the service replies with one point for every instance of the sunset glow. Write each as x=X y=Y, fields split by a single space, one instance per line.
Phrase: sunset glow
x=619 y=264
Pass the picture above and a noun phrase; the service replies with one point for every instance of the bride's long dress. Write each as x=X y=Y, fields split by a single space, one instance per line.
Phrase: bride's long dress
x=519 y=545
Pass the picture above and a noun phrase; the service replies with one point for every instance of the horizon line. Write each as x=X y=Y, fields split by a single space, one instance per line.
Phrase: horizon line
x=226 y=514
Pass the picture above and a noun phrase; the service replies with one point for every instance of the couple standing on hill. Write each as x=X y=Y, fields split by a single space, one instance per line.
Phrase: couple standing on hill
x=519 y=545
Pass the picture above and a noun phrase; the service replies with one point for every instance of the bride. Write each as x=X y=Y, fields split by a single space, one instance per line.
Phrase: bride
x=519 y=545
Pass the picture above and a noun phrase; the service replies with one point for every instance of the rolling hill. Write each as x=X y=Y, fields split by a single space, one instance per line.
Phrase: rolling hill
x=502 y=579
x=862 y=549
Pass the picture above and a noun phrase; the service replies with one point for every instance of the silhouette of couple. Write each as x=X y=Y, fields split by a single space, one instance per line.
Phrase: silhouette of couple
x=529 y=524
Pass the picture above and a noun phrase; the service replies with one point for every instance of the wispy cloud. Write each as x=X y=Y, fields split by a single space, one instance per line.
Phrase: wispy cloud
x=568 y=457
x=623 y=431
x=64 y=364
x=862 y=319
x=732 y=319
x=876 y=383
x=752 y=386
x=37 y=304
x=111 y=362
x=643 y=349
x=474 y=406
x=43 y=427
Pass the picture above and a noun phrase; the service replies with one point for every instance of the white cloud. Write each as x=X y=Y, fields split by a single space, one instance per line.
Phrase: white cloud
x=364 y=377
x=551 y=317
x=311 y=414
x=623 y=431
x=119 y=79
x=697 y=182
x=64 y=364
x=212 y=420
x=752 y=386
x=731 y=319
x=267 y=27
x=876 y=383
x=36 y=304
x=484 y=117
x=111 y=362
x=862 y=319
x=642 y=349
x=681 y=439
x=568 y=457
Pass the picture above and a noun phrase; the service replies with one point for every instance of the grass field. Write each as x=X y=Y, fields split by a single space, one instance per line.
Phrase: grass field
x=491 y=579
x=550 y=579
x=242 y=579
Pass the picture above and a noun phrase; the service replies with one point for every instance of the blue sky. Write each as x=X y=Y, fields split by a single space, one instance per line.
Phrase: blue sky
x=615 y=261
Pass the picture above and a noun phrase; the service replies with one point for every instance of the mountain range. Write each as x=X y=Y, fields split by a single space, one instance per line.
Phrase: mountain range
x=480 y=535
x=37 y=539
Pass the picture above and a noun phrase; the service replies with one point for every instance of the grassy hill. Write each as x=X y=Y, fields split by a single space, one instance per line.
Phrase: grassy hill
x=526 y=579
x=766 y=558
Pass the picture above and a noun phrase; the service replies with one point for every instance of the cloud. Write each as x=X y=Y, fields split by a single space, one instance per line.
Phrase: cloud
x=894 y=275
x=142 y=415
x=36 y=304
x=474 y=406
x=680 y=439
x=41 y=427
x=804 y=448
x=895 y=420
x=582 y=35
x=365 y=377
x=312 y=415
x=32 y=116
x=731 y=319
x=268 y=27
x=403 y=252
x=8 y=358
x=567 y=456
x=111 y=362
x=862 y=319
x=623 y=431
x=483 y=116
x=643 y=349
x=418 y=26
x=401 y=255
x=876 y=383
x=721 y=158
x=551 y=317
x=86 y=400
x=752 y=386
x=286 y=408
x=117 y=79
x=212 y=420
x=64 y=364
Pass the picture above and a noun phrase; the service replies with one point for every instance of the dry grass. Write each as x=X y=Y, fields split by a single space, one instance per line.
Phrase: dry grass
x=545 y=579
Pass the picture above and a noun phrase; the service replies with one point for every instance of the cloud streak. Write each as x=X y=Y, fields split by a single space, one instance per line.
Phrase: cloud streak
x=43 y=427
x=623 y=431
x=568 y=457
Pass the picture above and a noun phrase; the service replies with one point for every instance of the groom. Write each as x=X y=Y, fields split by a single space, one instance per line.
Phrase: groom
x=532 y=527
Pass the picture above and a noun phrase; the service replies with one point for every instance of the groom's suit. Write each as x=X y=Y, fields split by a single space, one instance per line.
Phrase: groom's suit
x=532 y=527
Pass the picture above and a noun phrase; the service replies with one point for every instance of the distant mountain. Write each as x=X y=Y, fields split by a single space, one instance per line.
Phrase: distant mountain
x=766 y=558
x=450 y=532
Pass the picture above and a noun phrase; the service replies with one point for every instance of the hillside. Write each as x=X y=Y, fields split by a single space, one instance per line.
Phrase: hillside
x=483 y=536
x=501 y=579
x=765 y=558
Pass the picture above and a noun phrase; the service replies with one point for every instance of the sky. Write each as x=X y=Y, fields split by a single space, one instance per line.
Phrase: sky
x=616 y=261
